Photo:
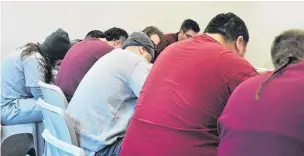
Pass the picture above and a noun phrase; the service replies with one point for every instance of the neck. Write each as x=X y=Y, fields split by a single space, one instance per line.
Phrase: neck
x=179 y=36
x=218 y=37
x=133 y=49
x=105 y=40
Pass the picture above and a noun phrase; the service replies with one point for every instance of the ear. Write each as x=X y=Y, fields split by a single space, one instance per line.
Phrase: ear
x=181 y=31
x=118 y=42
x=141 y=50
x=239 y=43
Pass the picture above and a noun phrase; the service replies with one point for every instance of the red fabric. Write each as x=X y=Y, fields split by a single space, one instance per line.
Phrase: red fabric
x=270 y=126
x=182 y=98
x=77 y=62
x=169 y=39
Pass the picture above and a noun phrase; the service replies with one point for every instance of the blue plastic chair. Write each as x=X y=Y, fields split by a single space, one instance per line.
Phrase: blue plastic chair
x=64 y=148
x=53 y=95
x=29 y=128
x=59 y=125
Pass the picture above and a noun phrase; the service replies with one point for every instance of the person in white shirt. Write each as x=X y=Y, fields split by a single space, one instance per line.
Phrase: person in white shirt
x=104 y=101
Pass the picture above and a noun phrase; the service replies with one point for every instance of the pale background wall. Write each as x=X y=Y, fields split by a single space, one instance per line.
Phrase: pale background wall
x=33 y=21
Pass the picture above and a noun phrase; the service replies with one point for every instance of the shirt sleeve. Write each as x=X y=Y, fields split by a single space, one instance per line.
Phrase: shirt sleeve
x=36 y=91
x=235 y=70
x=32 y=72
x=139 y=75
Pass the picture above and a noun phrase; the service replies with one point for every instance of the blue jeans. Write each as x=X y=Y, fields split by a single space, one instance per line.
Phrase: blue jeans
x=111 y=150
x=21 y=111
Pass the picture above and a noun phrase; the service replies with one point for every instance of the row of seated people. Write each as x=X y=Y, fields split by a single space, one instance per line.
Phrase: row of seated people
x=169 y=95
x=33 y=62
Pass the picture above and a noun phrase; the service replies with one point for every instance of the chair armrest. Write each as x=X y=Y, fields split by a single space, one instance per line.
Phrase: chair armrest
x=74 y=150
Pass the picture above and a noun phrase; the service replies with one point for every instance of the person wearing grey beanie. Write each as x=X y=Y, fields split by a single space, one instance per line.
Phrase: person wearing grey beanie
x=22 y=70
x=108 y=92
x=144 y=44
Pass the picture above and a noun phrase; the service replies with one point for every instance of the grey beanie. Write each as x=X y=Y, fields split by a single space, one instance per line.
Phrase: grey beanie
x=56 y=45
x=140 y=39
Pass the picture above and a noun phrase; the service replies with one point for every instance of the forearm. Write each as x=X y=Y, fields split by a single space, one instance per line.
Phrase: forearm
x=36 y=92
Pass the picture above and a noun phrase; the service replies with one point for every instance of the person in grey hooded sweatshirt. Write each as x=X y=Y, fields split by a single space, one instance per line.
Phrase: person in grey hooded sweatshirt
x=108 y=94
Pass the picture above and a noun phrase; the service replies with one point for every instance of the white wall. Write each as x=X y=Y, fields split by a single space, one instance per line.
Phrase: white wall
x=33 y=21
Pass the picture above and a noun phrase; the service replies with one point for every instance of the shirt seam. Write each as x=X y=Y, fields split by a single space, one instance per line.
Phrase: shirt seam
x=113 y=121
x=115 y=116
x=129 y=77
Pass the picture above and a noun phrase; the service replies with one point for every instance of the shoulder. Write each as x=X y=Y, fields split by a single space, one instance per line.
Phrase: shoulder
x=34 y=57
x=234 y=68
x=171 y=37
x=250 y=85
x=98 y=46
x=126 y=57
x=229 y=58
x=130 y=56
x=91 y=43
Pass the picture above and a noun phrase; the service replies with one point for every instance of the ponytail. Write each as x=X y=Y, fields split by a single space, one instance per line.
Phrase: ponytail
x=287 y=48
x=279 y=70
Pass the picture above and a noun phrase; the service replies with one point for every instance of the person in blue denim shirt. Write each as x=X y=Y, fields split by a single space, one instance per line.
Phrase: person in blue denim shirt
x=21 y=72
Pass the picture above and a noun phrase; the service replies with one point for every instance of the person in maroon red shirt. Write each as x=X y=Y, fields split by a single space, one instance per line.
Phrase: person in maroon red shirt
x=82 y=56
x=188 y=29
x=264 y=115
x=91 y=34
x=186 y=91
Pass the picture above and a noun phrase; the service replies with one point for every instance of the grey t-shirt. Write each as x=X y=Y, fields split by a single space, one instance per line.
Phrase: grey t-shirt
x=104 y=101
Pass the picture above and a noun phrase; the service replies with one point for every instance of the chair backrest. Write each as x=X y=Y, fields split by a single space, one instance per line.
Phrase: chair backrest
x=58 y=123
x=53 y=95
x=60 y=148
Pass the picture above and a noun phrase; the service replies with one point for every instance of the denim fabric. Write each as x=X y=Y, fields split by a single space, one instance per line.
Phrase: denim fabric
x=111 y=150
x=19 y=75
x=21 y=111
x=19 y=78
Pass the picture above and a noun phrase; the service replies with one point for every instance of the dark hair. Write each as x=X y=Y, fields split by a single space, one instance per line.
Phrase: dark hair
x=190 y=24
x=115 y=34
x=46 y=63
x=151 y=30
x=287 y=48
x=229 y=25
x=94 y=34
